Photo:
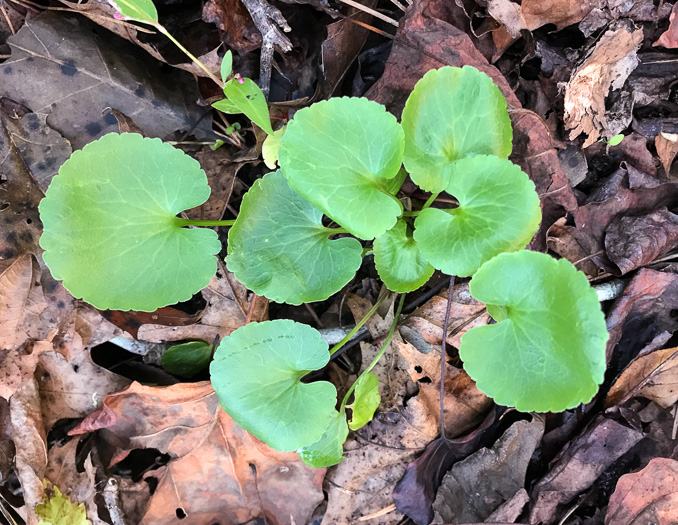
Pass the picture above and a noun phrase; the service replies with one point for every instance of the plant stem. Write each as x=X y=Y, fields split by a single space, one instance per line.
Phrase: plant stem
x=333 y=231
x=357 y=327
x=189 y=222
x=376 y=359
x=411 y=213
x=430 y=200
x=190 y=55
x=443 y=355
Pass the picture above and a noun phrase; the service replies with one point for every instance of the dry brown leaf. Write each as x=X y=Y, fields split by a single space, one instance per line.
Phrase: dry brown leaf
x=30 y=442
x=667 y=148
x=669 y=38
x=476 y=486
x=78 y=486
x=653 y=375
x=579 y=465
x=606 y=67
x=21 y=303
x=228 y=308
x=561 y=13
x=532 y=14
x=634 y=241
x=648 y=496
x=219 y=472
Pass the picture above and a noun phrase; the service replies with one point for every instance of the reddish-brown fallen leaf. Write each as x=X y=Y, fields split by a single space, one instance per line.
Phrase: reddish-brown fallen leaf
x=219 y=472
x=653 y=375
x=132 y=320
x=235 y=22
x=648 y=496
x=669 y=38
x=634 y=241
x=578 y=466
x=606 y=67
x=667 y=147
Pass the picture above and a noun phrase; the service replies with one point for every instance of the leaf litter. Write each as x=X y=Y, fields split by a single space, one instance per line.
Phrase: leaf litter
x=572 y=72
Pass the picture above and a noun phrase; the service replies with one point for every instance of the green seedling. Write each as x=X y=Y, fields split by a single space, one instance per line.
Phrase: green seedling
x=113 y=236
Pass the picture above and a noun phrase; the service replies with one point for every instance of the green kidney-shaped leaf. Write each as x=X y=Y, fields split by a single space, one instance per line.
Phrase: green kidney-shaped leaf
x=187 y=359
x=399 y=262
x=329 y=449
x=249 y=99
x=140 y=10
x=547 y=350
x=279 y=248
x=451 y=114
x=498 y=212
x=341 y=155
x=366 y=401
x=257 y=373
x=111 y=233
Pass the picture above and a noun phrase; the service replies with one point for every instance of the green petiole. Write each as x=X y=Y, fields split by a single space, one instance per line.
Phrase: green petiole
x=374 y=362
x=189 y=222
x=357 y=327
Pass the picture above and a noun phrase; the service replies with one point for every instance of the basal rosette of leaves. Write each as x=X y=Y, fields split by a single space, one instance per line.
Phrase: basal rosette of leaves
x=340 y=162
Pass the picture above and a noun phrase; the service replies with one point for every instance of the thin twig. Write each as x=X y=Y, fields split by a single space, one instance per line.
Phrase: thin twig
x=399 y=5
x=366 y=26
x=371 y=11
x=443 y=354
x=7 y=19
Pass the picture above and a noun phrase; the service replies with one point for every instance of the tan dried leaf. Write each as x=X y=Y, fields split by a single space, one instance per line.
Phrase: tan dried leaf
x=667 y=148
x=219 y=472
x=606 y=67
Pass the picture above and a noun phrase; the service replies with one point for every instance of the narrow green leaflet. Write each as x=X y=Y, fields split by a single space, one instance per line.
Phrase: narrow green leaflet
x=498 y=212
x=271 y=147
x=366 y=401
x=399 y=262
x=329 y=449
x=226 y=65
x=111 y=231
x=140 y=10
x=187 y=359
x=249 y=99
x=451 y=114
x=279 y=248
x=547 y=350
x=340 y=154
x=257 y=374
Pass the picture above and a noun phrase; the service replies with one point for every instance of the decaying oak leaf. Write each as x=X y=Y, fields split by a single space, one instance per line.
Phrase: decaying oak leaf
x=219 y=472
x=648 y=496
x=652 y=375
x=606 y=67
x=667 y=146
